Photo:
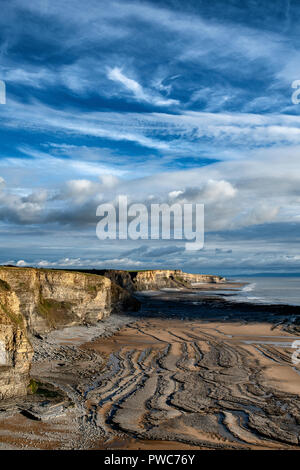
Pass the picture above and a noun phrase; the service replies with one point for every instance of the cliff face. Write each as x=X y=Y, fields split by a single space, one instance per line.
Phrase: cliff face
x=123 y=279
x=199 y=278
x=15 y=349
x=34 y=301
x=52 y=299
x=158 y=279
x=152 y=280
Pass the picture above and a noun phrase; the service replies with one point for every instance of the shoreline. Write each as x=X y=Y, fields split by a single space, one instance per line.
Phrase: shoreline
x=164 y=378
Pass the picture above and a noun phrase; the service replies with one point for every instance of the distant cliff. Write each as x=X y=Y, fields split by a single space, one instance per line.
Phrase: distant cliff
x=157 y=279
x=35 y=301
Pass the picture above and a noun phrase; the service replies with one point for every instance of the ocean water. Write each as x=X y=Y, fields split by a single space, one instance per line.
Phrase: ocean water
x=268 y=290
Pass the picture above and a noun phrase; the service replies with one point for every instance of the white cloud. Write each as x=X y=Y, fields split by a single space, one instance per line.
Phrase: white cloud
x=174 y=194
x=78 y=262
x=22 y=208
x=168 y=133
x=261 y=187
x=117 y=75
x=216 y=190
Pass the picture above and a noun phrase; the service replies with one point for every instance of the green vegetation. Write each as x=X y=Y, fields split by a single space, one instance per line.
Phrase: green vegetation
x=23 y=285
x=47 y=270
x=55 y=312
x=181 y=280
x=16 y=319
x=94 y=288
x=33 y=386
x=38 y=388
x=4 y=285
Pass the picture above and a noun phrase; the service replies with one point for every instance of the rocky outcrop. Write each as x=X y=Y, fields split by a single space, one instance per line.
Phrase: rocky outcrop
x=157 y=279
x=35 y=301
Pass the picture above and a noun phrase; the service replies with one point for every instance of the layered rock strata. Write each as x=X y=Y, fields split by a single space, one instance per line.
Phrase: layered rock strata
x=157 y=279
x=35 y=301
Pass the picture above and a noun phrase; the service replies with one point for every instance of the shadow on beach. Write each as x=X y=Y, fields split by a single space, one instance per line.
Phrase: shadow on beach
x=194 y=305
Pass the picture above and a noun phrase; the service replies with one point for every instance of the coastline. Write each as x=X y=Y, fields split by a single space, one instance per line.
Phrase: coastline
x=187 y=371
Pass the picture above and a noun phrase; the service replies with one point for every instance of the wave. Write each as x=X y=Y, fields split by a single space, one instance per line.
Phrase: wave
x=249 y=287
x=258 y=299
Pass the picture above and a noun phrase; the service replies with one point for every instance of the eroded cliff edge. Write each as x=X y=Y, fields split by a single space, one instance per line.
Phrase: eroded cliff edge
x=35 y=301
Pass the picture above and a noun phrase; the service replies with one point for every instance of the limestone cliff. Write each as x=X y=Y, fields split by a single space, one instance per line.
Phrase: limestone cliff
x=152 y=280
x=157 y=279
x=15 y=349
x=35 y=301
x=52 y=298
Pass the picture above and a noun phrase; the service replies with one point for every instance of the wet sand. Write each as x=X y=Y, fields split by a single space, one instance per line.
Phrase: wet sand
x=201 y=384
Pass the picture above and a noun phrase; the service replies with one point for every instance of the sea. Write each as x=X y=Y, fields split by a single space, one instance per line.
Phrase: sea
x=266 y=290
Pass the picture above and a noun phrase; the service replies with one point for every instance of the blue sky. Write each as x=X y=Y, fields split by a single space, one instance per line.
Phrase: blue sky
x=165 y=100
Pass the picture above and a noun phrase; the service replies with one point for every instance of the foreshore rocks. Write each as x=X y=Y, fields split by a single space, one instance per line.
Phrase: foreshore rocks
x=35 y=301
